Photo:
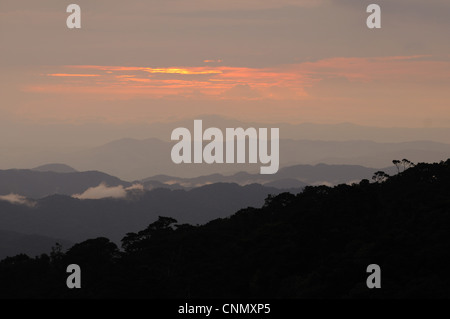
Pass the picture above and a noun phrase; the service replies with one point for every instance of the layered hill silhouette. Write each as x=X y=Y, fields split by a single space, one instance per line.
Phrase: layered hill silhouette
x=73 y=219
x=292 y=176
x=133 y=159
x=152 y=156
x=314 y=244
x=60 y=179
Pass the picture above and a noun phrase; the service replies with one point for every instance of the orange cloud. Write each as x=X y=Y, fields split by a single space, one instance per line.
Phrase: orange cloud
x=286 y=82
x=220 y=82
x=69 y=75
x=187 y=71
x=182 y=71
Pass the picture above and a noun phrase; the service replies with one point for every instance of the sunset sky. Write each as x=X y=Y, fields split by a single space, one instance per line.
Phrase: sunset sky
x=266 y=60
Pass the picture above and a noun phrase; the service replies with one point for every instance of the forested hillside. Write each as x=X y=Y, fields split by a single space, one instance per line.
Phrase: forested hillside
x=316 y=244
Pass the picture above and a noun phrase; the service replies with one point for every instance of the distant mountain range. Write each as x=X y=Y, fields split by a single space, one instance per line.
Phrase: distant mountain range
x=70 y=136
x=134 y=158
x=131 y=159
x=288 y=177
x=64 y=180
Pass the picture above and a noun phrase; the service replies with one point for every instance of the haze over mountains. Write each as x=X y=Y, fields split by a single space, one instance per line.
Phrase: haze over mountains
x=152 y=157
x=138 y=156
x=131 y=159
x=66 y=135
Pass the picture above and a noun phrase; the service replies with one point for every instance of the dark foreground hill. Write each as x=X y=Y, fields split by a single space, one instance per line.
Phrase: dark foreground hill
x=316 y=244
x=12 y=242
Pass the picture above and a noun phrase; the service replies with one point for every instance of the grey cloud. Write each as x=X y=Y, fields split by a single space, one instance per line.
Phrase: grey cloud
x=104 y=191
x=17 y=200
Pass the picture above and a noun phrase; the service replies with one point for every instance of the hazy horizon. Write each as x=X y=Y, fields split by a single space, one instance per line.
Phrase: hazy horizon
x=141 y=69
x=283 y=61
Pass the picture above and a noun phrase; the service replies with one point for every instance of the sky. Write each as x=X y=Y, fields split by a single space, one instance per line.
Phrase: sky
x=135 y=62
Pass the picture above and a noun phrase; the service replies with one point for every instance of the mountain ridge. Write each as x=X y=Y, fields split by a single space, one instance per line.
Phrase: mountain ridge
x=55 y=167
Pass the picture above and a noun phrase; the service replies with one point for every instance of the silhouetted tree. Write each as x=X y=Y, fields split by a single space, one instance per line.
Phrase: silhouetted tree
x=380 y=176
x=407 y=164
x=397 y=164
x=56 y=254
x=133 y=241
